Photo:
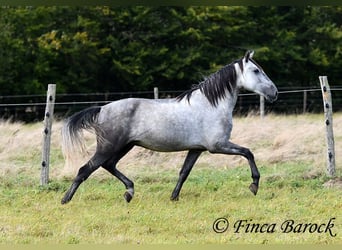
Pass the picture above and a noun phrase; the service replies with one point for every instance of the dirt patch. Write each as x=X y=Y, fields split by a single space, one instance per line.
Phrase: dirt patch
x=333 y=183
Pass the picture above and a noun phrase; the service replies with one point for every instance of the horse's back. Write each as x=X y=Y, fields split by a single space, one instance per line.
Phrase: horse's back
x=162 y=124
x=165 y=124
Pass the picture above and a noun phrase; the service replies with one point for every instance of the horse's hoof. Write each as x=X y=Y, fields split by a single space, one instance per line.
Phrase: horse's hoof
x=64 y=201
x=254 y=188
x=174 y=198
x=128 y=197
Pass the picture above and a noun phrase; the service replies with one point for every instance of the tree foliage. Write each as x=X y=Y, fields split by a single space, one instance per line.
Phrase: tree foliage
x=103 y=49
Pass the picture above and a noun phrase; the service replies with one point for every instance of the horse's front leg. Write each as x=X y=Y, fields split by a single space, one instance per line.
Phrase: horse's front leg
x=189 y=162
x=233 y=149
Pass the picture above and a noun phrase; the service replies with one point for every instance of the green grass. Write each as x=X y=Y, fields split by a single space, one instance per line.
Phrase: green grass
x=99 y=214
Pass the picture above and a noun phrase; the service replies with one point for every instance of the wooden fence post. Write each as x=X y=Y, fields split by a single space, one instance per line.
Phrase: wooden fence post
x=262 y=106
x=48 y=119
x=305 y=100
x=156 y=92
x=327 y=102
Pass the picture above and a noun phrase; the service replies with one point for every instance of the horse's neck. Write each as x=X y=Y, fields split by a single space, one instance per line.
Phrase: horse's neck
x=225 y=104
x=229 y=100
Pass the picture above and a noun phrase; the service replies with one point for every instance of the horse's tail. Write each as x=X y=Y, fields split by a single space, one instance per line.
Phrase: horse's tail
x=72 y=136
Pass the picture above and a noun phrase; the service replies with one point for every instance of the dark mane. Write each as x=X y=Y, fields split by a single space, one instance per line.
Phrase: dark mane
x=215 y=86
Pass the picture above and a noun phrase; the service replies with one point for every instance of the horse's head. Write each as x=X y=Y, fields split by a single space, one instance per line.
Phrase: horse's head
x=255 y=79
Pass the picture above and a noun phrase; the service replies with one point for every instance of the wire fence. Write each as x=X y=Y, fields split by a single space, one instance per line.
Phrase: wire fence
x=30 y=108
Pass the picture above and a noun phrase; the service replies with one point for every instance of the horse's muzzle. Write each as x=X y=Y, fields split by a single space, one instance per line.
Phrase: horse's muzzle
x=272 y=98
x=271 y=94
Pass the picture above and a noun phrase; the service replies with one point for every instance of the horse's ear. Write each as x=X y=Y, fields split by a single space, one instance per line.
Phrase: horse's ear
x=249 y=54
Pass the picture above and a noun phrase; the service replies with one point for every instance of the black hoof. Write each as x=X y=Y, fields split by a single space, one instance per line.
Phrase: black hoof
x=174 y=198
x=254 y=188
x=64 y=201
x=128 y=197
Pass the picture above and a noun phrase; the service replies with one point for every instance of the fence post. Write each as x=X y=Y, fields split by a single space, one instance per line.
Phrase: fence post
x=327 y=102
x=262 y=106
x=48 y=119
x=156 y=92
x=305 y=99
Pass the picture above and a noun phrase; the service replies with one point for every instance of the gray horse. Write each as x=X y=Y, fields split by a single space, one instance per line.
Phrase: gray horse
x=198 y=120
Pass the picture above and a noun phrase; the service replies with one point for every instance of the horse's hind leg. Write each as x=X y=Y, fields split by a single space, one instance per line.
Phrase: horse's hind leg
x=110 y=166
x=127 y=182
x=84 y=172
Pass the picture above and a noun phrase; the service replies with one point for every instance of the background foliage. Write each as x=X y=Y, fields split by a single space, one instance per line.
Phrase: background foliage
x=103 y=49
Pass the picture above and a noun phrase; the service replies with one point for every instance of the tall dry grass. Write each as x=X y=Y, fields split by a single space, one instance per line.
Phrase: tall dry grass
x=273 y=139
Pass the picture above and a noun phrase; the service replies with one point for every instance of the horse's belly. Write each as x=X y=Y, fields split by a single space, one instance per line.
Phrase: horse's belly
x=168 y=142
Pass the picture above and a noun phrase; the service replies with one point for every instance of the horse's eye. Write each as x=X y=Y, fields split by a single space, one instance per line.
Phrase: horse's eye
x=256 y=71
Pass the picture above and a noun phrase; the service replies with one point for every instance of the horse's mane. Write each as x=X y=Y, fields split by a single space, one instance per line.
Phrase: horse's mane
x=216 y=85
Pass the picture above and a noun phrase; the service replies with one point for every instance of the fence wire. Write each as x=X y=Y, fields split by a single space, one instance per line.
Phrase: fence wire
x=290 y=101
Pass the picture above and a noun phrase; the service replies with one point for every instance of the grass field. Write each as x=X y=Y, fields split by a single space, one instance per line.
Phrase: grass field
x=289 y=151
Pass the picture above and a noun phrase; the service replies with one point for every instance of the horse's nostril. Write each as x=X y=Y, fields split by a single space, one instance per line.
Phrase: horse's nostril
x=276 y=96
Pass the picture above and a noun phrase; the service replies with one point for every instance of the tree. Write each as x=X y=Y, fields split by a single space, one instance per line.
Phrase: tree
x=103 y=49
